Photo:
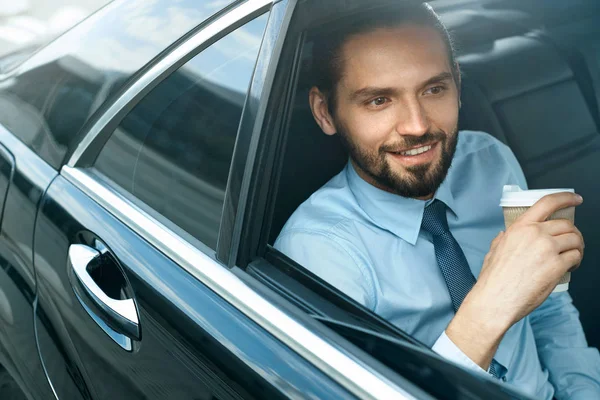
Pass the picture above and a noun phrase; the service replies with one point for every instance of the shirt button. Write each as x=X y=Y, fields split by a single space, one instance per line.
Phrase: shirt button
x=504 y=378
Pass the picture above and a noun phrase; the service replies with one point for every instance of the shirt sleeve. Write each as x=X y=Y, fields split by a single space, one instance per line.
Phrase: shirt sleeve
x=447 y=349
x=332 y=259
x=573 y=367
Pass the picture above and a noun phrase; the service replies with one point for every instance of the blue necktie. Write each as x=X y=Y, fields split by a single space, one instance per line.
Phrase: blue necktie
x=451 y=260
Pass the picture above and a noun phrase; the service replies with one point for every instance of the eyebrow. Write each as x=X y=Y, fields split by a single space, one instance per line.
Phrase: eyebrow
x=439 y=78
x=372 y=91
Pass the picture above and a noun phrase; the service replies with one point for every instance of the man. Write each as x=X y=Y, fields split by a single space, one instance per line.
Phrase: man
x=414 y=217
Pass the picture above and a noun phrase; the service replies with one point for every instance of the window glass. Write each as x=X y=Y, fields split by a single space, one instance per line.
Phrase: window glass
x=174 y=149
x=58 y=89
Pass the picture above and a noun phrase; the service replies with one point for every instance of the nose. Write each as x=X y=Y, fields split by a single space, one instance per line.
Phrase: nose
x=412 y=119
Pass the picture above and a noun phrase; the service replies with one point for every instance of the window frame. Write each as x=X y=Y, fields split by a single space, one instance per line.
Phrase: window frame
x=254 y=222
x=251 y=85
x=255 y=257
x=254 y=232
x=98 y=134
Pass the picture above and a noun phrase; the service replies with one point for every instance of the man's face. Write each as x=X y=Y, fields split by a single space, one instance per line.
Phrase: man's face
x=397 y=109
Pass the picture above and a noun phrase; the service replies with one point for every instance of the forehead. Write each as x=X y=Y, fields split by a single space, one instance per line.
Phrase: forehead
x=403 y=56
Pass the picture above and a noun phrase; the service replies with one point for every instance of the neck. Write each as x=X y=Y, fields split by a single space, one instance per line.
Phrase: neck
x=428 y=197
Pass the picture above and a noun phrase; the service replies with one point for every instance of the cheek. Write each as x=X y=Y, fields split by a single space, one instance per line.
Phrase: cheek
x=443 y=113
x=371 y=129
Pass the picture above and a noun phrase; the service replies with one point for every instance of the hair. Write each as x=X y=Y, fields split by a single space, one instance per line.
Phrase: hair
x=327 y=65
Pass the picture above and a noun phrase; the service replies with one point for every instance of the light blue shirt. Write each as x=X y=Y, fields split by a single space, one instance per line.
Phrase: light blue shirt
x=369 y=244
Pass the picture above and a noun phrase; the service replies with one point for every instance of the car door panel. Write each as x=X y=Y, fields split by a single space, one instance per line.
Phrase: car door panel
x=193 y=344
x=23 y=179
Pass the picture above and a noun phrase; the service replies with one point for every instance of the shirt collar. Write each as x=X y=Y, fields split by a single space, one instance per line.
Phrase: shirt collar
x=444 y=192
x=399 y=215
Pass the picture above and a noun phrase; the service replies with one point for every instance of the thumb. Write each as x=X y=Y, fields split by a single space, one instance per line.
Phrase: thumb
x=548 y=205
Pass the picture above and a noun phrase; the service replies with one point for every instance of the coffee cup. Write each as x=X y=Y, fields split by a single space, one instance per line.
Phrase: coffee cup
x=515 y=201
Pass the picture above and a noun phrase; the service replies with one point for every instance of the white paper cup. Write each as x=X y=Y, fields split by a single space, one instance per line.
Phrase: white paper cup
x=516 y=201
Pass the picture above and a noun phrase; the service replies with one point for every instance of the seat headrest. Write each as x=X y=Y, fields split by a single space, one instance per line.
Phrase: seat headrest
x=474 y=27
x=311 y=158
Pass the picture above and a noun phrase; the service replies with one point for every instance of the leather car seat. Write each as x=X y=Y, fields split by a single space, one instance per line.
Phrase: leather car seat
x=521 y=90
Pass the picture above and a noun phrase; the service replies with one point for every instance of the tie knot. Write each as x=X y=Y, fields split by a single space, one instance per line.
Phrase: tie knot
x=434 y=218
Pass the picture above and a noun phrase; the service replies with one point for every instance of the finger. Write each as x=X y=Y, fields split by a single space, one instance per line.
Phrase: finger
x=570 y=259
x=558 y=227
x=578 y=232
x=568 y=241
x=548 y=205
x=561 y=227
x=582 y=245
x=574 y=267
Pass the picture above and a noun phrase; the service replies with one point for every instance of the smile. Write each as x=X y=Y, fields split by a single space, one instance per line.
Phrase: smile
x=414 y=151
x=417 y=156
x=417 y=151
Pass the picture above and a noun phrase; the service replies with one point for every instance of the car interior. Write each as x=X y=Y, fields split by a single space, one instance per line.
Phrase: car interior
x=530 y=77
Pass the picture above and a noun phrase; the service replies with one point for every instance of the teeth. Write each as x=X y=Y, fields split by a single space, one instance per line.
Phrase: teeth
x=415 y=152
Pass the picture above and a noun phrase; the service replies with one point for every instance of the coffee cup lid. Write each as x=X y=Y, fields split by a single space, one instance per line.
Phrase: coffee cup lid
x=514 y=196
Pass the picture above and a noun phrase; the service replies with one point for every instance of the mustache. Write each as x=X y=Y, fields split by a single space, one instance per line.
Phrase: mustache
x=414 y=141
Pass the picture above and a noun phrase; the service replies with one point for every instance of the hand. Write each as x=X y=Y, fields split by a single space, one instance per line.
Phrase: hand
x=526 y=262
x=523 y=266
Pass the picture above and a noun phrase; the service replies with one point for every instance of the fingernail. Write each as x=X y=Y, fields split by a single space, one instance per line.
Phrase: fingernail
x=580 y=198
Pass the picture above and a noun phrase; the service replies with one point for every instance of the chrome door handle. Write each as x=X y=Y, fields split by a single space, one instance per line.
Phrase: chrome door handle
x=123 y=312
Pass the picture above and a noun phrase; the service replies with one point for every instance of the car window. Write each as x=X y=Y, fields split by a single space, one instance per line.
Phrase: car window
x=58 y=89
x=304 y=159
x=174 y=149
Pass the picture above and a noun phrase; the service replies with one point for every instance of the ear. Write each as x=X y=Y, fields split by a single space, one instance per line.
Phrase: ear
x=320 y=111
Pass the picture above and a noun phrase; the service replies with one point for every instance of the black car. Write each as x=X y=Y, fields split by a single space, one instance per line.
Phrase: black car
x=150 y=156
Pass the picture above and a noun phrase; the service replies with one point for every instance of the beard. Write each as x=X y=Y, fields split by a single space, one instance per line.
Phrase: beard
x=413 y=182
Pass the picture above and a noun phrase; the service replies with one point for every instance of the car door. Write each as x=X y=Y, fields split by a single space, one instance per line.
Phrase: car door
x=23 y=179
x=44 y=102
x=122 y=311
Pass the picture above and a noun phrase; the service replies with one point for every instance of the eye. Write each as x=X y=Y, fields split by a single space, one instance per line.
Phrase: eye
x=435 y=90
x=378 y=101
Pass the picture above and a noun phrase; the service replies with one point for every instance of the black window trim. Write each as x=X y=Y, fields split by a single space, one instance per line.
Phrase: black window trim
x=250 y=133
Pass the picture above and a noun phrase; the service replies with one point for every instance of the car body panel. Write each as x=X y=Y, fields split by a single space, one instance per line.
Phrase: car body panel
x=23 y=187
x=193 y=343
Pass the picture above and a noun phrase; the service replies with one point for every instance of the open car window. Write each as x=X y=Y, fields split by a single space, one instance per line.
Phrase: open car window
x=293 y=174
